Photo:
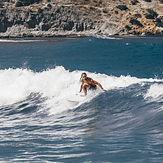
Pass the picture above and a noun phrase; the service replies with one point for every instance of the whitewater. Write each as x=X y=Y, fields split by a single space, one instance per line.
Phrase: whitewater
x=43 y=118
x=57 y=84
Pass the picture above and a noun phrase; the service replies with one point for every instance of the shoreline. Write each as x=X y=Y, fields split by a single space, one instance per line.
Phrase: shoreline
x=68 y=37
x=75 y=36
x=36 y=39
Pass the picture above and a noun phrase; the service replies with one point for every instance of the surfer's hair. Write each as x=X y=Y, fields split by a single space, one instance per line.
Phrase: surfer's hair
x=82 y=75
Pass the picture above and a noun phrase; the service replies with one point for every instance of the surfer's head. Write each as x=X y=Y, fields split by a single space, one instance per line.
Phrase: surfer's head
x=84 y=75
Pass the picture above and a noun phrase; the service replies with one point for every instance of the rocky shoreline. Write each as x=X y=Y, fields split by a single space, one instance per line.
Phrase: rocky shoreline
x=80 y=18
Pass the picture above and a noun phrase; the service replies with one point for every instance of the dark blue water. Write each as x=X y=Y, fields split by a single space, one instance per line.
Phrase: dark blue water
x=38 y=122
x=139 y=57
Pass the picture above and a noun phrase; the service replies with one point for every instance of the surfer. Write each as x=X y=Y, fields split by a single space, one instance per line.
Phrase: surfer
x=88 y=84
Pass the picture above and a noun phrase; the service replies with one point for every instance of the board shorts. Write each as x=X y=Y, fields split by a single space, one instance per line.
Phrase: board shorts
x=92 y=87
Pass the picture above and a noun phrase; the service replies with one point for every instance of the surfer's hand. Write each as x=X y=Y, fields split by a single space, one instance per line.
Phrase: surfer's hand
x=104 y=89
x=82 y=95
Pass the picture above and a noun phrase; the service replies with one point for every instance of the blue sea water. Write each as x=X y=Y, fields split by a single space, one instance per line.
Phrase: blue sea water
x=43 y=120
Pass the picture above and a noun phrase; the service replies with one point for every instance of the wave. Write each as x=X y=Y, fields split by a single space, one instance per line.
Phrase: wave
x=18 y=40
x=59 y=86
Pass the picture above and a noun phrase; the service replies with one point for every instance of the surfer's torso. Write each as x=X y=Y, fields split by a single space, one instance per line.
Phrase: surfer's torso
x=89 y=81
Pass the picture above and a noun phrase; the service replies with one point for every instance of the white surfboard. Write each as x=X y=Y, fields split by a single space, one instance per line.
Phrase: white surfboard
x=76 y=98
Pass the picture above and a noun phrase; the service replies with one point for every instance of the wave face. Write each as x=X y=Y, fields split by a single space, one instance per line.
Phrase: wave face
x=40 y=112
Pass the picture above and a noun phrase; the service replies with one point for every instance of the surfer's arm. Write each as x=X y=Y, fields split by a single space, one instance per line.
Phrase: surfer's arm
x=81 y=87
x=99 y=85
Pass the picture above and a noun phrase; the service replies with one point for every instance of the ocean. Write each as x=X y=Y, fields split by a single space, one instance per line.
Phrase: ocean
x=43 y=118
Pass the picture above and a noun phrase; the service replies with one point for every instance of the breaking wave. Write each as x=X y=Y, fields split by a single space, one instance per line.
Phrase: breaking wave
x=58 y=85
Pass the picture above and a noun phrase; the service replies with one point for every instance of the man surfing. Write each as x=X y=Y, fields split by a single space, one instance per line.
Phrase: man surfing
x=88 y=83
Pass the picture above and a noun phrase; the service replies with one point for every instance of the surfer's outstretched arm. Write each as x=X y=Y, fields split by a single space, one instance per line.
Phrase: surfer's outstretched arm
x=100 y=85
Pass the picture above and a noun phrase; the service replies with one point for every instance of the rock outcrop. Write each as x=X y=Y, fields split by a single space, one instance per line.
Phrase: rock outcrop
x=48 y=18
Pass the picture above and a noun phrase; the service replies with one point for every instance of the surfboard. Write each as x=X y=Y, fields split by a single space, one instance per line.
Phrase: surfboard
x=76 y=98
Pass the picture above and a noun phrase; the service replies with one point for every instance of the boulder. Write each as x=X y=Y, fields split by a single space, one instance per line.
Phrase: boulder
x=134 y=2
x=138 y=15
x=40 y=10
x=158 y=20
x=149 y=16
x=128 y=27
x=135 y=22
x=80 y=27
x=49 y=5
x=19 y=4
x=122 y=7
x=152 y=14
x=116 y=12
x=159 y=24
x=45 y=27
x=31 y=23
x=68 y=26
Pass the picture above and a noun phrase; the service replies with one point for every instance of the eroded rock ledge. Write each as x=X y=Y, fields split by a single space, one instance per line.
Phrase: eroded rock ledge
x=76 y=18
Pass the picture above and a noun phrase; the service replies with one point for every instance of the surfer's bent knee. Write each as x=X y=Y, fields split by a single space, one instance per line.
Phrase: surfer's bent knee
x=85 y=85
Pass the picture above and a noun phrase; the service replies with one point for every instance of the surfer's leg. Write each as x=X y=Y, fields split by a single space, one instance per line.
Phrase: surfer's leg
x=85 y=87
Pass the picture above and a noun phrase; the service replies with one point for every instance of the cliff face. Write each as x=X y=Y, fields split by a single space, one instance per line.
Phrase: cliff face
x=28 y=18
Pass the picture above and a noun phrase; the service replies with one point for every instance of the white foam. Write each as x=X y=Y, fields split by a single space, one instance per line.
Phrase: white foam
x=18 y=40
x=155 y=91
x=56 y=85
x=108 y=37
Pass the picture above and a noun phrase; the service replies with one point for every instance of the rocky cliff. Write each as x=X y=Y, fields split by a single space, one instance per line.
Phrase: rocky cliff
x=48 y=18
